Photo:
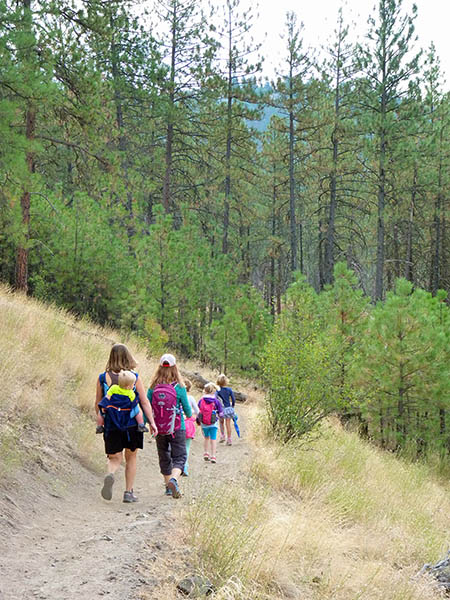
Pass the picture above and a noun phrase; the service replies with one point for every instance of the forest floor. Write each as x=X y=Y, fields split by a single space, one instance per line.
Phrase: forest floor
x=62 y=541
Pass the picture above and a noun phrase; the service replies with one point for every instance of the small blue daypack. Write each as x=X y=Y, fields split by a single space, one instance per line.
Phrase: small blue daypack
x=118 y=411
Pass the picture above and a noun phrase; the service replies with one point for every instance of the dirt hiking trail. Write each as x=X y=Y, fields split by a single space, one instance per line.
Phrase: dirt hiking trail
x=62 y=541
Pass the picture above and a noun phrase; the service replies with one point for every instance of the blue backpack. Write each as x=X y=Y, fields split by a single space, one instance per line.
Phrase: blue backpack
x=118 y=411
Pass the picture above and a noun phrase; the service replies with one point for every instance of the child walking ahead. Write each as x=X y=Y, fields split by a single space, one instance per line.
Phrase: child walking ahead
x=190 y=424
x=122 y=397
x=211 y=410
x=225 y=393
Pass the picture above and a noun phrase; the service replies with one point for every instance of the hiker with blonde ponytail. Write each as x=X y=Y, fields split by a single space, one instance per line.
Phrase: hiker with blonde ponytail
x=211 y=410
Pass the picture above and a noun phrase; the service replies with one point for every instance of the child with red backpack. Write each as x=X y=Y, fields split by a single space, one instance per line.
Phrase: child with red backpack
x=211 y=410
x=167 y=395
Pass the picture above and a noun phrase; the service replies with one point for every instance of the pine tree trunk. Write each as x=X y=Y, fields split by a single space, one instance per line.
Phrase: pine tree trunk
x=292 y=220
x=121 y=130
x=329 y=238
x=436 y=235
x=227 y=200
x=279 y=287
x=380 y=222
x=321 y=253
x=21 y=274
x=167 y=201
x=396 y=243
x=409 y=275
x=272 y=256
x=300 y=234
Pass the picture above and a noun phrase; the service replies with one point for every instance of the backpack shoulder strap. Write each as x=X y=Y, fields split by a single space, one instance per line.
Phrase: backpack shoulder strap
x=103 y=383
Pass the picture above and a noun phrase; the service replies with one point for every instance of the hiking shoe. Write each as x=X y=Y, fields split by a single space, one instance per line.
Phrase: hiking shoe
x=142 y=428
x=108 y=483
x=213 y=459
x=229 y=442
x=173 y=487
x=99 y=429
x=222 y=439
x=168 y=491
x=130 y=496
x=206 y=456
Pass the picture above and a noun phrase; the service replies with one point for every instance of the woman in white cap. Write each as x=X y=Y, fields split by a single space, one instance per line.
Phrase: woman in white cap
x=168 y=397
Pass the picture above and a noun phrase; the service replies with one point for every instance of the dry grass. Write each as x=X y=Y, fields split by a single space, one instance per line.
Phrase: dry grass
x=50 y=364
x=337 y=520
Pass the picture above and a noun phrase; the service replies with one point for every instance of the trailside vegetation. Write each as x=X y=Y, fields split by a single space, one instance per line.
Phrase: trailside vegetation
x=149 y=181
x=384 y=367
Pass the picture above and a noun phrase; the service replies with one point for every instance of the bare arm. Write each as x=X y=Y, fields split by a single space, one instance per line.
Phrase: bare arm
x=146 y=406
x=98 y=395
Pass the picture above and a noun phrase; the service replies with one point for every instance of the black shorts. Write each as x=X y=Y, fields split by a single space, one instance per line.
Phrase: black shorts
x=116 y=440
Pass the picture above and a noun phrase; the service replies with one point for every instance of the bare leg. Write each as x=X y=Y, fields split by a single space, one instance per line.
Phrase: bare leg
x=188 y=448
x=228 y=426
x=222 y=432
x=176 y=472
x=114 y=462
x=213 y=447
x=130 y=468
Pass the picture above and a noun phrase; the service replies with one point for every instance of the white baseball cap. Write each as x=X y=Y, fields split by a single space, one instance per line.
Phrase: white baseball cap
x=167 y=360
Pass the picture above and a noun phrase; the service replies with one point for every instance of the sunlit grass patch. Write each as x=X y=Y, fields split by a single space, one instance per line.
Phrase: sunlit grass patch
x=226 y=525
x=382 y=518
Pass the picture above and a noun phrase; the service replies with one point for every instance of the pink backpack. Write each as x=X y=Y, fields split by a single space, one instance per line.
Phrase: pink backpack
x=208 y=412
x=164 y=405
x=190 y=427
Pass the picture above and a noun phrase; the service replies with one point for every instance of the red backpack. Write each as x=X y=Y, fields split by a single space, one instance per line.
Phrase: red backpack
x=208 y=412
x=165 y=412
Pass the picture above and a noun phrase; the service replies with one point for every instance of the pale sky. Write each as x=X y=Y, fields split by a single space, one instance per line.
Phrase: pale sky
x=320 y=17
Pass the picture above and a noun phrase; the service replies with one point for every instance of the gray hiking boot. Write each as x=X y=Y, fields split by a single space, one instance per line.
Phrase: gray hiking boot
x=130 y=496
x=108 y=483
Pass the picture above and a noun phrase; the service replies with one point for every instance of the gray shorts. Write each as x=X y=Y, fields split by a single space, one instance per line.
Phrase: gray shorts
x=171 y=451
x=228 y=412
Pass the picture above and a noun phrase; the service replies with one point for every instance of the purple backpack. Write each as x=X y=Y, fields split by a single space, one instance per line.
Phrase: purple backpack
x=164 y=404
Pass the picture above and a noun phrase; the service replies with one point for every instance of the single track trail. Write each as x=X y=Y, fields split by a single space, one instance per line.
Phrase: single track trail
x=62 y=541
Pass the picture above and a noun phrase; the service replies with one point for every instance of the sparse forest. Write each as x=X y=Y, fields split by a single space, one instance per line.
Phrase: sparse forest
x=142 y=184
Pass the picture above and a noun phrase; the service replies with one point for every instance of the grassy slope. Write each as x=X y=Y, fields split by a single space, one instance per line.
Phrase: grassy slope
x=338 y=519
x=50 y=364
